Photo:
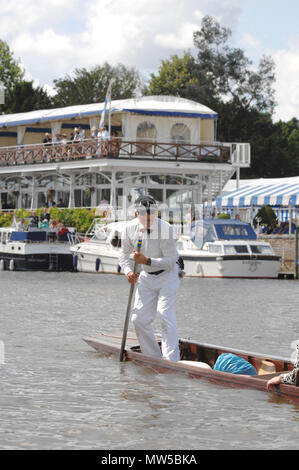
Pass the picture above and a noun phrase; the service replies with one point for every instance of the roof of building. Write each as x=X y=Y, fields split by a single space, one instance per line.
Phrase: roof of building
x=147 y=105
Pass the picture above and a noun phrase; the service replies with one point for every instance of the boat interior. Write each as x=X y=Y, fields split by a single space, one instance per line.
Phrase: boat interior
x=201 y=354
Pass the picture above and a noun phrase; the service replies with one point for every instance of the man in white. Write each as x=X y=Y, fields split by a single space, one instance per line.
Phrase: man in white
x=158 y=280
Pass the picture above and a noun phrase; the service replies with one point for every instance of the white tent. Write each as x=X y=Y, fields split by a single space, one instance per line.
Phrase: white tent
x=170 y=106
x=280 y=193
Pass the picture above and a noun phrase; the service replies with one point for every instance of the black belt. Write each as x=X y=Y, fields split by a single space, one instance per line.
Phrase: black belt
x=158 y=272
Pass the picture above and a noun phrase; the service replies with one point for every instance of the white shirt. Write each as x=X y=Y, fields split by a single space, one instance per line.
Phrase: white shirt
x=103 y=134
x=159 y=245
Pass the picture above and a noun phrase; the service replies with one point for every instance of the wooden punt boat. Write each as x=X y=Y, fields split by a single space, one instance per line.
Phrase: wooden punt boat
x=193 y=355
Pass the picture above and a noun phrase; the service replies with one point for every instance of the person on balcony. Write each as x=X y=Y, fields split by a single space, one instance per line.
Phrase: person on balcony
x=47 y=139
x=103 y=137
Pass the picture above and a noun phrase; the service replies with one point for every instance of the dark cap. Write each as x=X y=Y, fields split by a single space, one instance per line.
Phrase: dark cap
x=147 y=202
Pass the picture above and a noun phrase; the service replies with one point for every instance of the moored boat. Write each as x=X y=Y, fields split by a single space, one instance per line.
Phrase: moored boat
x=225 y=248
x=35 y=249
x=100 y=252
x=198 y=360
x=214 y=248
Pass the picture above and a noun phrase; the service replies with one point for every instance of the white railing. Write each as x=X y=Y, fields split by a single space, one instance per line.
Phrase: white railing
x=240 y=155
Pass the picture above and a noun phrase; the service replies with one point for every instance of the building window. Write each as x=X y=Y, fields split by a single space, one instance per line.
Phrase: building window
x=146 y=130
x=180 y=133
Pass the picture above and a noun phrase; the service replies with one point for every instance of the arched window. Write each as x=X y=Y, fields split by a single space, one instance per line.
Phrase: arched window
x=146 y=130
x=180 y=133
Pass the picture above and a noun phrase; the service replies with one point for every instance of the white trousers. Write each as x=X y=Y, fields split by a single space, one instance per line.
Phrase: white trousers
x=156 y=294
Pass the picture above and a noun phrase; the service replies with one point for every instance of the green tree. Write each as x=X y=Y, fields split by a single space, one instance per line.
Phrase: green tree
x=11 y=73
x=90 y=86
x=10 y=70
x=174 y=77
x=23 y=97
x=226 y=73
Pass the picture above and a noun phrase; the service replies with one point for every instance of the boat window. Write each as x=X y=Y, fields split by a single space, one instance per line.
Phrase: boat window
x=235 y=231
x=215 y=248
x=261 y=249
x=235 y=249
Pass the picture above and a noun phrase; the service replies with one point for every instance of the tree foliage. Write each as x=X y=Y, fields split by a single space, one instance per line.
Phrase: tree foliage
x=224 y=79
x=90 y=86
x=175 y=75
x=24 y=97
x=10 y=70
x=227 y=73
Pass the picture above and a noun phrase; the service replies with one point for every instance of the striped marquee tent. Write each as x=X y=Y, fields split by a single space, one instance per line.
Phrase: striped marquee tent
x=282 y=196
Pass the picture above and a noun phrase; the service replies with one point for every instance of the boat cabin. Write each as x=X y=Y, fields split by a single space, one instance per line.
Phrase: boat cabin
x=224 y=237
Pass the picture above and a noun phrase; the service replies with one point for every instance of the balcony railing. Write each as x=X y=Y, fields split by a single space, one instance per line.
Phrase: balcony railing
x=118 y=148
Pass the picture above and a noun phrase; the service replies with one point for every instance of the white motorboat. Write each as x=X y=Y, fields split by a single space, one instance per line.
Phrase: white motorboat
x=100 y=252
x=35 y=249
x=225 y=248
x=214 y=248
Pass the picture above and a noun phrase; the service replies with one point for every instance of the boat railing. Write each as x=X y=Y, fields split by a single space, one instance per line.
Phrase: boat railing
x=123 y=148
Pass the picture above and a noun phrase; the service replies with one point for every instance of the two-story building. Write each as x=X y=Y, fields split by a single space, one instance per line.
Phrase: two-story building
x=160 y=145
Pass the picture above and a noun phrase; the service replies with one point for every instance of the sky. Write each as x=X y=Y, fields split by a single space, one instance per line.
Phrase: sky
x=51 y=38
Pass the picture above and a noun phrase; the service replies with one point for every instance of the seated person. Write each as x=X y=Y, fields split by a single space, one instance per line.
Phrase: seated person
x=62 y=231
x=286 y=378
x=33 y=222
x=45 y=218
x=21 y=225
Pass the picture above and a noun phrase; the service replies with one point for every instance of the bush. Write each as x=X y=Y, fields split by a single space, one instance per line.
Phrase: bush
x=22 y=213
x=5 y=219
x=265 y=216
x=78 y=218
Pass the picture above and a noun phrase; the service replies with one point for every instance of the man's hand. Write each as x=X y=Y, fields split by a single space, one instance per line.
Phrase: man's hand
x=139 y=258
x=132 y=278
x=272 y=382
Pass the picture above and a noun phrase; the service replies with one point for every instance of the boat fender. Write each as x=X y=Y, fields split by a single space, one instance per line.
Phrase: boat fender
x=2 y=265
x=203 y=365
x=228 y=362
x=98 y=262
x=11 y=265
x=75 y=261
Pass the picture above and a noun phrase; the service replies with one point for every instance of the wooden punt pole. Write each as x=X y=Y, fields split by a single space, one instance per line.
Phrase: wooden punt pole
x=127 y=318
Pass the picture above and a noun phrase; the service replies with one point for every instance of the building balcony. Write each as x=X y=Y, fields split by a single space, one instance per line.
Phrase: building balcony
x=236 y=154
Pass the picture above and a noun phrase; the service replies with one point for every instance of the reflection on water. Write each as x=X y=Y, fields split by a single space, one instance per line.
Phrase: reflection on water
x=57 y=393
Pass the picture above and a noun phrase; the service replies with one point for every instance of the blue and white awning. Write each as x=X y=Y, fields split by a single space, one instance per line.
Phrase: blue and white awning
x=279 y=194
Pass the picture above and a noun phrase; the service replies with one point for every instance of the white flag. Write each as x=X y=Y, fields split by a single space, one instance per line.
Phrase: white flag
x=107 y=100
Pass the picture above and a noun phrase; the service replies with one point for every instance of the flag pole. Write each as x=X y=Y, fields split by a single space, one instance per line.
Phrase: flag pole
x=107 y=101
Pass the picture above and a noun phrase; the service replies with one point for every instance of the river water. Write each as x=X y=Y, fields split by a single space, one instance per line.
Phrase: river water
x=58 y=393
